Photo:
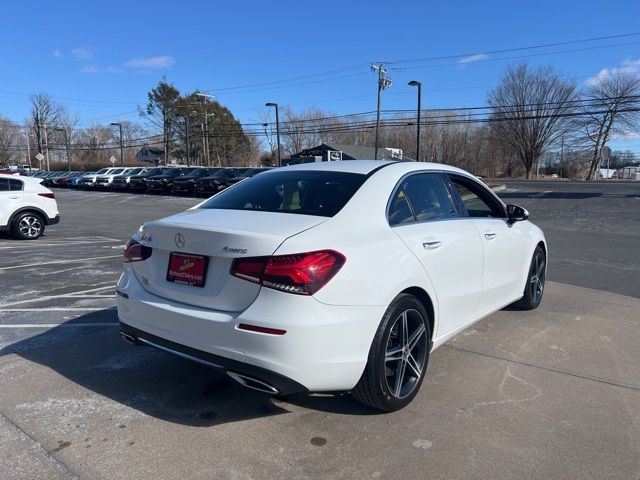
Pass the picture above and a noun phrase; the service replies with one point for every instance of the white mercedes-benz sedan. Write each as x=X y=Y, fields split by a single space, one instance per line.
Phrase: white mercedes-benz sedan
x=333 y=276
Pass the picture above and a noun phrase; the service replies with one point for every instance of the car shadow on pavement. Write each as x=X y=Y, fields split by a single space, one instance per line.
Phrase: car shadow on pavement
x=153 y=382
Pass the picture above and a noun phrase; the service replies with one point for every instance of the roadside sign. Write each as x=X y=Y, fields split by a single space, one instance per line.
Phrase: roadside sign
x=112 y=160
x=605 y=152
x=39 y=157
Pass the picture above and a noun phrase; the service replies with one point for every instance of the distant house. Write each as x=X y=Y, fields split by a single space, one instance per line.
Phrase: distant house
x=630 y=172
x=150 y=155
x=326 y=152
x=606 y=172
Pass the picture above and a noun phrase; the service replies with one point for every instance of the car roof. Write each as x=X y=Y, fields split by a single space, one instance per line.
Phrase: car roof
x=368 y=166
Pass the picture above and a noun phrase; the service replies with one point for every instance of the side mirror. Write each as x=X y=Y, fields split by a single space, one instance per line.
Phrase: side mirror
x=516 y=213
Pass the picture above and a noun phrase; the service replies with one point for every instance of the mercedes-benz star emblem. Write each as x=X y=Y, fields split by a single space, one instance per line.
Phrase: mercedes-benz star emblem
x=179 y=240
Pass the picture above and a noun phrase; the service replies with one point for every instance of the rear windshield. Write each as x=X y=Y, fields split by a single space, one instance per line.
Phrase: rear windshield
x=303 y=192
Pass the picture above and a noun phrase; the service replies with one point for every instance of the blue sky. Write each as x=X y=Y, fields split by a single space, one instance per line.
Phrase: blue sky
x=101 y=58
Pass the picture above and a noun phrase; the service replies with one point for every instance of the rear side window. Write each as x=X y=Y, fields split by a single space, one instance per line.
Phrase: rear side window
x=421 y=197
x=15 y=184
x=301 y=192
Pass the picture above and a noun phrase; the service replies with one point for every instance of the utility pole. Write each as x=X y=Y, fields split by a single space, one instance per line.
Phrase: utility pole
x=46 y=142
x=561 y=154
x=66 y=143
x=204 y=143
x=383 y=82
x=119 y=125
x=26 y=132
x=186 y=127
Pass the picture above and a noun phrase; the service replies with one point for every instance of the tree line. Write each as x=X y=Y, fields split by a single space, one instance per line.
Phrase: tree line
x=534 y=118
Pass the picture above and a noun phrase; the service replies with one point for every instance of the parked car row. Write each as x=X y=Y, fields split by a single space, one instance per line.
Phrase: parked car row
x=194 y=181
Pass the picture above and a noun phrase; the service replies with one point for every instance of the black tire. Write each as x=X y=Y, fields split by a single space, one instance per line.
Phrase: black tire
x=27 y=226
x=374 y=387
x=534 y=288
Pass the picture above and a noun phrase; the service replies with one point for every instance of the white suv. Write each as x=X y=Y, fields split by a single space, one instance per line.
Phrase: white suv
x=26 y=206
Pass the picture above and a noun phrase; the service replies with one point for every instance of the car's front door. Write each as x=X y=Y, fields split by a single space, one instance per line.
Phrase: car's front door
x=423 y=214
x=10 y=198
x=504 y=244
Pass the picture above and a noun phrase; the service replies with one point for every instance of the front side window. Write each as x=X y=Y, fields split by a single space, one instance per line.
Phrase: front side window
x=302 y=192
x=4 y=184
x=421 y=197
x=475 y=198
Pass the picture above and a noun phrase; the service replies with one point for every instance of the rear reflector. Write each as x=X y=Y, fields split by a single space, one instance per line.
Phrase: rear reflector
x=256 y=328
x=47 y=195
x=121 y=293
x=134 y=251
x=300 y=273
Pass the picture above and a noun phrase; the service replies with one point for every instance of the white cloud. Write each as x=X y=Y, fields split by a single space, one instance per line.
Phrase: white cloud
x=629 y=66
x=150 y=63
x=57 y=54
x=626 y=135
x=473 y=58
x=90 y=69
x=81 y=53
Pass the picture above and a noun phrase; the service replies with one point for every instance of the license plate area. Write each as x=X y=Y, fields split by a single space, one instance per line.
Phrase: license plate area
x=187 y=269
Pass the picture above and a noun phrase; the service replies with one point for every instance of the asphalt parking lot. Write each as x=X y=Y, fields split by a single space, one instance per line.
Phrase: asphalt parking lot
x=553 y=393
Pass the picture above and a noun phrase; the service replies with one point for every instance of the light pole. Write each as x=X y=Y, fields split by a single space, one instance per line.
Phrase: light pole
x=415 y=83
x=121 y=143
x=271 y=104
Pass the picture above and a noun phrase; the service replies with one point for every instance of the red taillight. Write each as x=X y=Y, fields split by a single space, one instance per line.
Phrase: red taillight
x=301 y=273
x=47 y=195
x=135 y=252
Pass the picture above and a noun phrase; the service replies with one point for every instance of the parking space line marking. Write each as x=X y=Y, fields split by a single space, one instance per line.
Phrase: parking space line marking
x=78 y=294
x=59 y=261
x=53 y=325
x=35 y=246
x=56 y=309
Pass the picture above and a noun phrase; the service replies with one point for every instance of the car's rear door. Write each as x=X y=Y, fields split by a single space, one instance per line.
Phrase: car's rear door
x=504 y=244
x=424 y=215
x=11 y=197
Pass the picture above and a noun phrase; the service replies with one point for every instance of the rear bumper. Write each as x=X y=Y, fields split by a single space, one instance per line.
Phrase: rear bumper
x=325 y=347
x=54 y=220
x=269 y=381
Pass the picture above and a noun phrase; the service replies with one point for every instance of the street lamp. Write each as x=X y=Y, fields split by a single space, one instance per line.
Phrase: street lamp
x=115 y=124
x=415 y=83
x=271 y=104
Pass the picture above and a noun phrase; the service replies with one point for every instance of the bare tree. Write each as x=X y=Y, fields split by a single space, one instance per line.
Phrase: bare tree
x=45 y=111
x=612 y=106
x=9 y=141
x=531 y=108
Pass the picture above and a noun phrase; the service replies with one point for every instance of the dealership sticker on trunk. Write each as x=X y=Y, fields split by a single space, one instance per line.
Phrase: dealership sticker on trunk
x=187 y=269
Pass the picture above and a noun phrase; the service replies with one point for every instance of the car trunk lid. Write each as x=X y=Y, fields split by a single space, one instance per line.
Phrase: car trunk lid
x=219 y=236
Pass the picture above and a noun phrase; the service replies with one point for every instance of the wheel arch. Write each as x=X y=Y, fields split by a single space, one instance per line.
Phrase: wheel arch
x=29 y=209
x=426 y=301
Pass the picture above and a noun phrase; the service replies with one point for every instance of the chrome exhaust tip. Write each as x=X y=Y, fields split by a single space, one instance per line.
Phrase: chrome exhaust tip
x=128 y=338
x=253 y=383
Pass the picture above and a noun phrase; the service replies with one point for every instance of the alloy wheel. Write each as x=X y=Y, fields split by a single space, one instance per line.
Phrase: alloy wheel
x=406 y=353
x=537 y=277
x=30 y=226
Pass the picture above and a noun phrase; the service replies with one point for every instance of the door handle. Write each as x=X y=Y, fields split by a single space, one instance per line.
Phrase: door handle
x=14 y=198
x=490 y=235
x=432 y=245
